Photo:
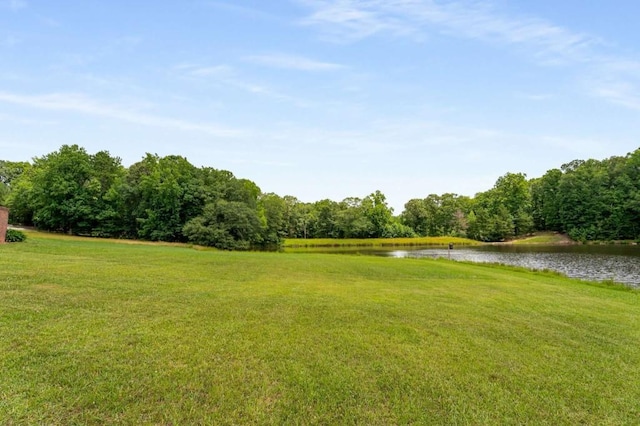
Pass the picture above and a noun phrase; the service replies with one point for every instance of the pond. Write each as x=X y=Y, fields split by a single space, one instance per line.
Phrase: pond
x=620 y=263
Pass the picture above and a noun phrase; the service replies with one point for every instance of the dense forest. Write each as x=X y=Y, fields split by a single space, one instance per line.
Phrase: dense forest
x=169 y=199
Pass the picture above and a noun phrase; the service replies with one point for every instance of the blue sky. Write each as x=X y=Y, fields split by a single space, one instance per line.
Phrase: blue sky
x=326 y=98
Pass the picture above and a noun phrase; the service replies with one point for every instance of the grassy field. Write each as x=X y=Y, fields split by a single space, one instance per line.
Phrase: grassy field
x=377 y=242
x=546 y=238
x=94 y=332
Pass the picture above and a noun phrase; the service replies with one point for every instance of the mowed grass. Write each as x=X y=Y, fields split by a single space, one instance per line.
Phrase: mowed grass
x=377 y=242
x=545 y=238
x=93 y=332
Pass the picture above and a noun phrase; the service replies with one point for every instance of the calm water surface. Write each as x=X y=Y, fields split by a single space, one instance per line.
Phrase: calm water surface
x=599 y=263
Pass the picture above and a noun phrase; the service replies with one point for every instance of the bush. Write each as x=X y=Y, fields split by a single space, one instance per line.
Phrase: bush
x=15 y=236
x=398 y=230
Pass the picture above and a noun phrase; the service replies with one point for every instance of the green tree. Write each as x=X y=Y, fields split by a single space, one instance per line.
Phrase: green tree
x=322 y=219
x=351 y=220
x=229 y=225
x=20 y=198
x=295 y=217
x=489 y=219
x=9 y=172
x=160 y=195
x=396 y=229
x=378 y=212
x=272 y=210
x=512 y=191
x=438 y=215
x=545 y=201
x=583 y=204
x=629 y=186
x=416 y=216
x=65 y=190
x=107 y=173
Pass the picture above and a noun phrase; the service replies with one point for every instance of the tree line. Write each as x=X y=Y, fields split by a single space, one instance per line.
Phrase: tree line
x=169 y=199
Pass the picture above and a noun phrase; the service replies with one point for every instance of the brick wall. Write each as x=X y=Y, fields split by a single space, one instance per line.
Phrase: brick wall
x=4 y=222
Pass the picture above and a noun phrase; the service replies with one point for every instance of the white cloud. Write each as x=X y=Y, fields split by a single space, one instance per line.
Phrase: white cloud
x=293 y=62
x=356 y=19
x=85 y=105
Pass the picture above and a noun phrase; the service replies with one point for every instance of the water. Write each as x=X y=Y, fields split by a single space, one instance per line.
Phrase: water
x=598 y=263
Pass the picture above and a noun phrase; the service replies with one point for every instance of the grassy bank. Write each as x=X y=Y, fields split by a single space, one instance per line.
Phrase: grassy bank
x=94 y=332
x=377 y=242
x=546 y=238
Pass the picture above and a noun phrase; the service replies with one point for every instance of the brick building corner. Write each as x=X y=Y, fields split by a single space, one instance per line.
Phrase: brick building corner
x=4 y=223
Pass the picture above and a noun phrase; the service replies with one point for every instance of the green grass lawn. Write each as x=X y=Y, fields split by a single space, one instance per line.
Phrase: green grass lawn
x=545 y=238
x=95 y=332
x=377 y=242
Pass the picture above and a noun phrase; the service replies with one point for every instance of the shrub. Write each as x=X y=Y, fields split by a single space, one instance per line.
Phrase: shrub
x=398 y=230
x=15 y=236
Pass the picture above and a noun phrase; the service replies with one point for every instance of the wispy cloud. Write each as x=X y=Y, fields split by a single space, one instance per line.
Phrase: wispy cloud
x=21 y=120
x=292 y=62
x=228 y=76
x=10 y=41
x=536 y=97
x=14 y=4
x=127 y=41
x=352 y=20
x=205 y=71
x=82 y=104
x=616 y=81
x=623 y=93
x=611 y=78
x=356 y=19
x=399 y=137
x=49 y=22
x=245 y=11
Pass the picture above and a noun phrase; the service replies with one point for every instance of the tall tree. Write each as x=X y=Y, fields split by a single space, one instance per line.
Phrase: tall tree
x=512 y=191
x=378 y=212
x=416 y=216
x=322 y=219
x=162 y=195
x=65 y=190
x=545 y=201
x=351 y=220
x=438 y=215
x=9 y=172
x=272 y=210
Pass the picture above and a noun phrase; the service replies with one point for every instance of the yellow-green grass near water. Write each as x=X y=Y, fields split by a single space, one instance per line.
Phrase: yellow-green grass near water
x=545 y=238
x=377 y=242
x=94 y=332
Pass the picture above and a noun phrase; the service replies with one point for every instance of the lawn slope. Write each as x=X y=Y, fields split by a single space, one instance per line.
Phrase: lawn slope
x=93 y=332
